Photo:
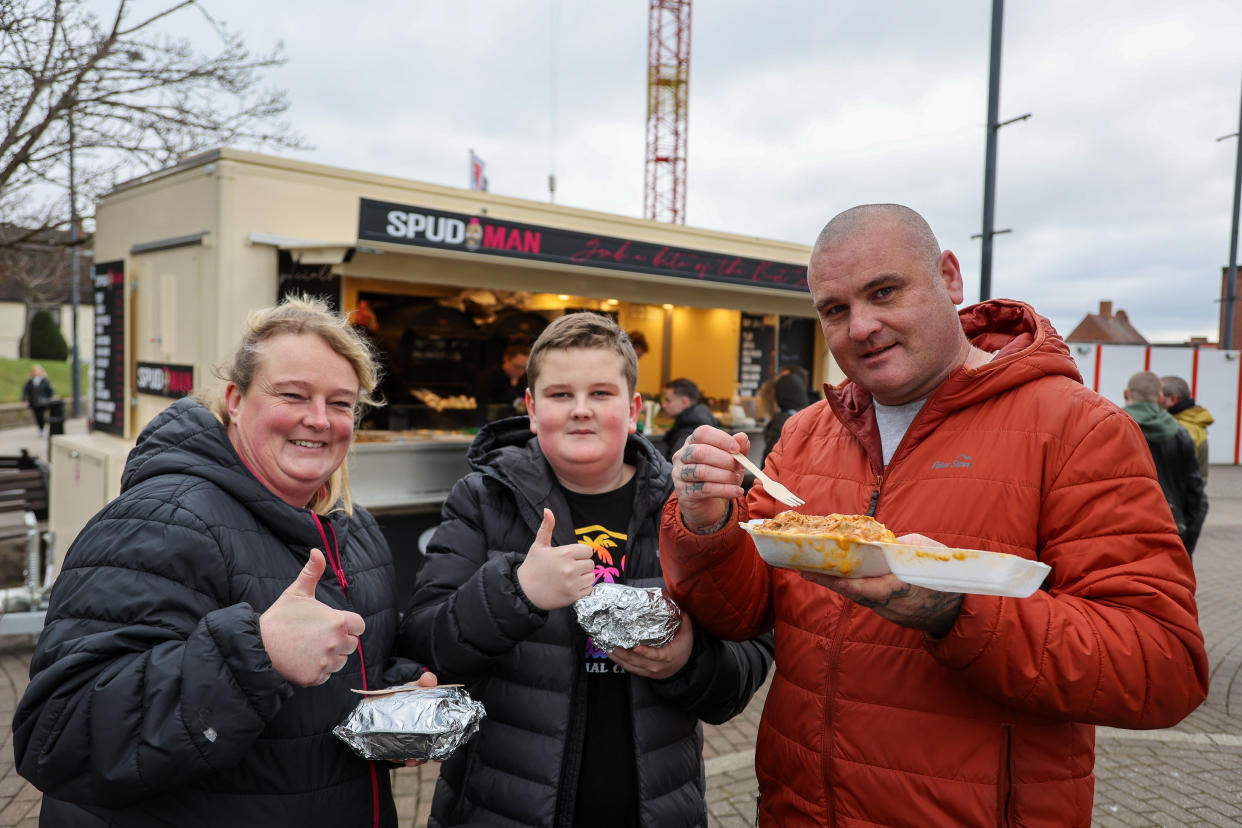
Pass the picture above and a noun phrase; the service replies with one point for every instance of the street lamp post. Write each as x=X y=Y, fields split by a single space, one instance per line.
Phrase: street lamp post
x=1231 y=279
x=989 y=162
x=74 y=278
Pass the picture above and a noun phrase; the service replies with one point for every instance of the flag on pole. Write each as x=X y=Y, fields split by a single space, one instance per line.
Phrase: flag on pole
x=478 y=180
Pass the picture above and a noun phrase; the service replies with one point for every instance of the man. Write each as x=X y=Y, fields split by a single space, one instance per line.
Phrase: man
x=38 y=394
x=499 y=391
x=1173 y=452
x=1192 y=417
x=894 y=704
x=681 y=402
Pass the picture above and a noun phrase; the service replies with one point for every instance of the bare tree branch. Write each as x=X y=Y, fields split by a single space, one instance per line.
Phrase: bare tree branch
x=139 y=98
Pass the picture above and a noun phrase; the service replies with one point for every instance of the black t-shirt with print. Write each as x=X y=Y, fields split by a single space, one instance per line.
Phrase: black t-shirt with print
x=607 y=785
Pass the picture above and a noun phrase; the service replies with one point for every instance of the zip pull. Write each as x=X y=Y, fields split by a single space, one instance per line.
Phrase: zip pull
x=340 y=564
x=333 y=552
x=875 y=496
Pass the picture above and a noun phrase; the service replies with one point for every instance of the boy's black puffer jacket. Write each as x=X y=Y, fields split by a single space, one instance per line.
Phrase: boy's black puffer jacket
x=469 y=622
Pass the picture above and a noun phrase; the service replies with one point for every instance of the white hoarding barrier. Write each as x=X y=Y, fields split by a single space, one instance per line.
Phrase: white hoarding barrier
x=1215 y=379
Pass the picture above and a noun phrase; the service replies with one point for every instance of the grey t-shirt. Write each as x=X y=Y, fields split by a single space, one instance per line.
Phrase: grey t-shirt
x=893 y=421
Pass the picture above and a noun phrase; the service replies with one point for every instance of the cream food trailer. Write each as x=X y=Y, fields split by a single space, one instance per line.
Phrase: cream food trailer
x=442 y=278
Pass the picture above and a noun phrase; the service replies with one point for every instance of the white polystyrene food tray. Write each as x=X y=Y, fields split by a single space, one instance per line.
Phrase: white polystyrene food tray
x=937 y=567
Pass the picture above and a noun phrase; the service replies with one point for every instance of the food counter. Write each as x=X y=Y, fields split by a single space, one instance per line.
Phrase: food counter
x=414 y=470
x=404 y=470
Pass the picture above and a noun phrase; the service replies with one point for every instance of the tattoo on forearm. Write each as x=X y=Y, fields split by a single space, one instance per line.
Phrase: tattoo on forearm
x=942 y=609
x=935 y=612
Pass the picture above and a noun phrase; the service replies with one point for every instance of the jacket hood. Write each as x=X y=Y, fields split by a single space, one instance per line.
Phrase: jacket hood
x=1026 y=348
x=187 y=439
x=790 y=394
x=1157 y=424
x=508 y=452
x=1190 y=412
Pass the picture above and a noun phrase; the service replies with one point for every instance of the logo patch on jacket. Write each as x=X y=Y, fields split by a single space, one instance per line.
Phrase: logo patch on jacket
x=960 y=462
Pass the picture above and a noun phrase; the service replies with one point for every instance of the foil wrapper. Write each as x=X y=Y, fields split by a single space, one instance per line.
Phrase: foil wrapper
x=615 y=615
x=419 y=723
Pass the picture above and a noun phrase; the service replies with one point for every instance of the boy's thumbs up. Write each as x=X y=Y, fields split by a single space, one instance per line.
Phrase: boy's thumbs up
x=543 y=537
x=555 y=576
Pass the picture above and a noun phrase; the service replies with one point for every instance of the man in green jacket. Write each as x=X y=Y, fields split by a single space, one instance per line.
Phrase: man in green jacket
x=1174 y=454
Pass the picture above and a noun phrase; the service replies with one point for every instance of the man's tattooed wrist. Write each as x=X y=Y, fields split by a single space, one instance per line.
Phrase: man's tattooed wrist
x=715 y=527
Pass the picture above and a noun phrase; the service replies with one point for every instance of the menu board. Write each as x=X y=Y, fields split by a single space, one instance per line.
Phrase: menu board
x=755 y=354
x=108 y=366
x=798 y=340
x=315 y=281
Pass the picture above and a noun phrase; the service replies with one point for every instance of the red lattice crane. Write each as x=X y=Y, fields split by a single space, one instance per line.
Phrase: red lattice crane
x=668 y=102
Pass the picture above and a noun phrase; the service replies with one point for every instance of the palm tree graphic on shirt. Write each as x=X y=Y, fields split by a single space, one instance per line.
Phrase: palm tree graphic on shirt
x=600 y=543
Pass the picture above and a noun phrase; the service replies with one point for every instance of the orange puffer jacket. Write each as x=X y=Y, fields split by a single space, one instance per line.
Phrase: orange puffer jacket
x=872 y=724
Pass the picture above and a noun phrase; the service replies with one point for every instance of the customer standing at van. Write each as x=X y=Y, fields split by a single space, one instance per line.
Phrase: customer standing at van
x=788 y=397
x=684 y=403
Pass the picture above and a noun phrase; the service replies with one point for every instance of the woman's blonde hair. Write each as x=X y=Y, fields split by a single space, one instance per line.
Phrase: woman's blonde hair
x=302 y=315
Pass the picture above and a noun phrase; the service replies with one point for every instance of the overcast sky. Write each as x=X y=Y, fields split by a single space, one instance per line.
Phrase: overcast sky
x=1116 y=187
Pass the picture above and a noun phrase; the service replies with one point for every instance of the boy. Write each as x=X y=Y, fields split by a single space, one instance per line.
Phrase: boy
x=559 y=500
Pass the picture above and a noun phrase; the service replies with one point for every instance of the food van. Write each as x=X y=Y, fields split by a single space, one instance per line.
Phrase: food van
x=442 y=279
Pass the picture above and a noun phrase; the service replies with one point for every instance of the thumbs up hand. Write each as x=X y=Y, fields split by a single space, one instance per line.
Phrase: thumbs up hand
x=306 y=640
x=555 y=576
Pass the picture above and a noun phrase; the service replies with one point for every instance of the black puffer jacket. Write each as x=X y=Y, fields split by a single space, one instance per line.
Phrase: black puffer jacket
x=469 y=622
x=684 y=425
x=152 y=700
x=790 y=396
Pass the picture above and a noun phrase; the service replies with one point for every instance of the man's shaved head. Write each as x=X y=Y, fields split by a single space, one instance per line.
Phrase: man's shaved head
x=846 y=225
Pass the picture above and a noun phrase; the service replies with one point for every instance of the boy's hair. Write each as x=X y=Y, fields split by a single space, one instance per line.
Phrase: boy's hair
x=584 y=330
x=687 y=388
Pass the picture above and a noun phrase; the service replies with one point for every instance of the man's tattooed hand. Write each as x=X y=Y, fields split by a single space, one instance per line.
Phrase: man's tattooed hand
x=916 y=607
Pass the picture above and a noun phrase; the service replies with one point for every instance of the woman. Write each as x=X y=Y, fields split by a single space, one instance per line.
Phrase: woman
x=788 y=398
x=193 y=662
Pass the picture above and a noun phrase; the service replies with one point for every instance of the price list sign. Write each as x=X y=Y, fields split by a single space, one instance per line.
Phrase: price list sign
x=754 y=359
x=109 y=363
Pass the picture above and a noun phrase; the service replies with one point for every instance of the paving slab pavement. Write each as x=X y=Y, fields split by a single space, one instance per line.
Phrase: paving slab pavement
x=1188 y=775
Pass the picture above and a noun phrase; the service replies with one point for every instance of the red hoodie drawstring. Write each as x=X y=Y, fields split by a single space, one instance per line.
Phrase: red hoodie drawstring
x=333 y=551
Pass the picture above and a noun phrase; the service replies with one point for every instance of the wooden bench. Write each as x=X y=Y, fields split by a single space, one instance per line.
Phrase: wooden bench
x=18 y=528
x=23 y=472
x=23 y=514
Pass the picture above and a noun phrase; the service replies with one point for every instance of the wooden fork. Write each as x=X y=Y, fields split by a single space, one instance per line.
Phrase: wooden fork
x=770 y=486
